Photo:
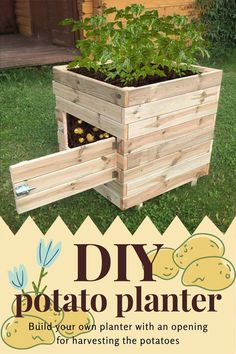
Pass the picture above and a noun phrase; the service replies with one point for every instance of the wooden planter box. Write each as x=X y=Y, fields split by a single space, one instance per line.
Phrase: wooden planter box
x=163 y=136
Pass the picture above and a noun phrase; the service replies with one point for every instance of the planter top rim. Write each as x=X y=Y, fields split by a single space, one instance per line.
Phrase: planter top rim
x=203 y=71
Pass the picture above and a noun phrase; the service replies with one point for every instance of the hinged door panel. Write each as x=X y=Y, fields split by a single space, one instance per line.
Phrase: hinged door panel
x=50 y=178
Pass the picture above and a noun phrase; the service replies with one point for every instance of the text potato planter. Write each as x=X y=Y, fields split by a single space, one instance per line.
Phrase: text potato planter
x=164 y=134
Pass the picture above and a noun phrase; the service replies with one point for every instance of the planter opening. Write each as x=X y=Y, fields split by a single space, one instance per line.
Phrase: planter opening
x=82 y=133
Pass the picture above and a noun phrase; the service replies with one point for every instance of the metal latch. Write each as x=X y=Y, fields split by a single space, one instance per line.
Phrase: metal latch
x=24 y=189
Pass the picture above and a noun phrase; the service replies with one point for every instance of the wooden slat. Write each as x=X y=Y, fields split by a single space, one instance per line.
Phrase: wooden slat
x=167 y=172
x=51 y=163
x=117 y=187
x=165 y=148
x=98 y=120
x=90 y=86
x=164 y=162
x=90 y=102
x=149 y=140
x=22 y=51
x=164 y=187
x=154 y=124
x=97 y=6
x=62 y=133
x=87 y=7
x=24 y=21
x=149 y=4
x=61 y=137
x=69 y=174
x=23 y=6
x=65 y=190
x=175 y=87
x=109 y=194
x=172 y=104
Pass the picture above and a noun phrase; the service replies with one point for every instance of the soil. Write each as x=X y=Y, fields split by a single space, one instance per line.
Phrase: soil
x=170 y=75
x=73 y=138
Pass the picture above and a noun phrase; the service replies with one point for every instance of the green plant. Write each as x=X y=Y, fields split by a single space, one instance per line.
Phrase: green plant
x=137 y=43
x=219 y=18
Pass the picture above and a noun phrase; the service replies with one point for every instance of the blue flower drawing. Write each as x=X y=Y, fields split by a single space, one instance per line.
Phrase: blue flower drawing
x=18 y=277
x=47 y=254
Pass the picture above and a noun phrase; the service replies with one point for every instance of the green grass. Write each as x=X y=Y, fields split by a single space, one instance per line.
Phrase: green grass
x=28 y=130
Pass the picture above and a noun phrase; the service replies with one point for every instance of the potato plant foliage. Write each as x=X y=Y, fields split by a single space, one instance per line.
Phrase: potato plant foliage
x=133 y=43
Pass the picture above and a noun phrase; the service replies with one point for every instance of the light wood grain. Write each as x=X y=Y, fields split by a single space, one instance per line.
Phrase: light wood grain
x=90 y=86
x=166 y=89
x=33 y=201
x=164 y=186
x=112 y=111
x=164 y=162
x=167 y=172
x=166 y=148
x=154 y=124
x=93 y=118
x=149 y=140
x=65 y=175
x=172 y=104
x=109 y=194
x=61 y=160
x=62 y=132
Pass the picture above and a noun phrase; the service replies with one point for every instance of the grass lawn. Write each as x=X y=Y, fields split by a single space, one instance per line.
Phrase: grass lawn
x=28 y=130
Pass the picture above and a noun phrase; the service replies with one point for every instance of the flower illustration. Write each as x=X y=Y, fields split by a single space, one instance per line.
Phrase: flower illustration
x=18 y=277
x=46 y=254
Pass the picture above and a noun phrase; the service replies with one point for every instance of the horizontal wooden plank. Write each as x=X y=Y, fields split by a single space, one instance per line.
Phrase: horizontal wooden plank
x=33 y=201
x=117 y=187
x=87 y=7
x=165 y=148
x=22 y=6
x=168 y=171
x=149 y=140
x=51 y=163
x=172 y=104
x=24 y=21
x=164 y=186
x=26 y=31
x=161 y=163
x=147 y=3
x=22 y=12
x=69 y=174
x=90 y=86
x=166 y=89
x=114 y=112
x=151 y=125
x=98 y=120
x=109 y=194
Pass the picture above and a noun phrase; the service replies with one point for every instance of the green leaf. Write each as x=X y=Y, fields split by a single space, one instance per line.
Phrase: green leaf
x=138 y=42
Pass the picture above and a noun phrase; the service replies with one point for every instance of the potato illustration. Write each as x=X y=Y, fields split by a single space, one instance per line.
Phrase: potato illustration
x=16 y=334
x=198 y=246
x=163 y=265
x=210 y=273
x=49 y=316
x=76 y=323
